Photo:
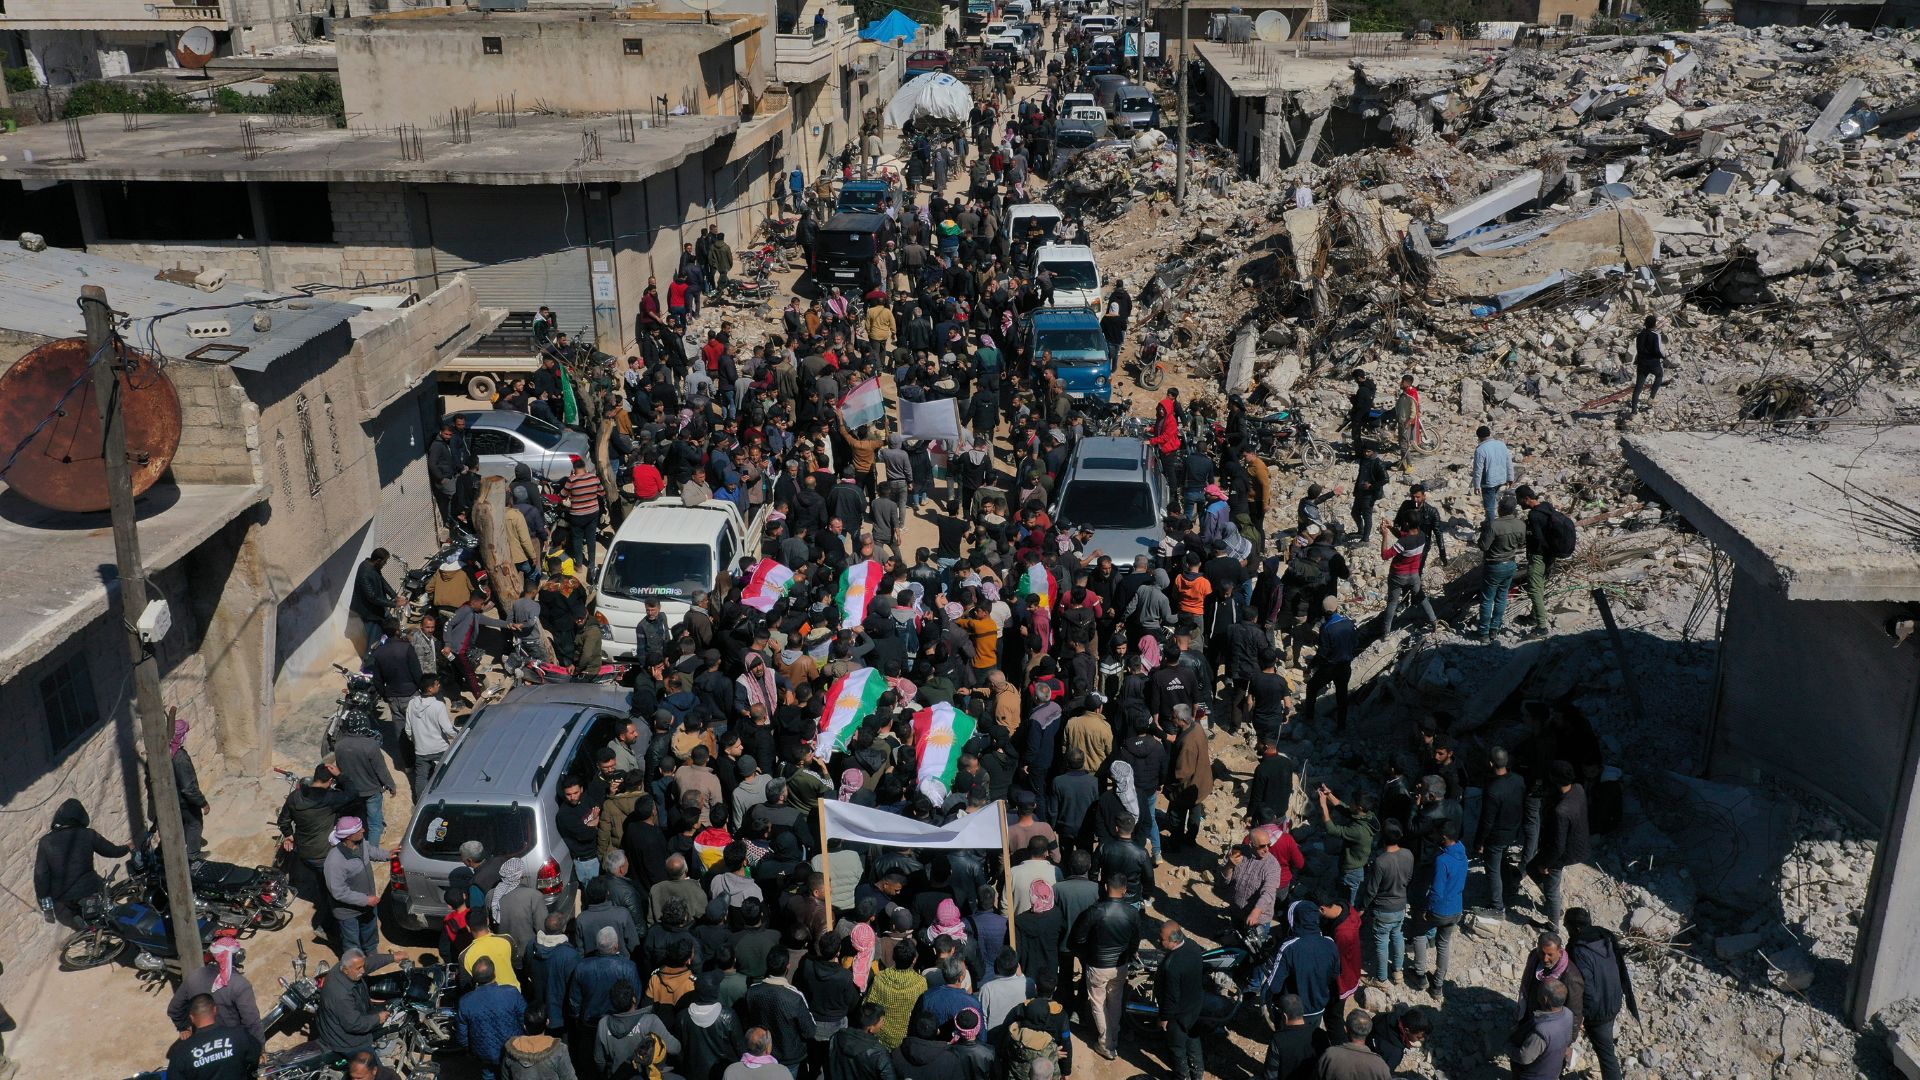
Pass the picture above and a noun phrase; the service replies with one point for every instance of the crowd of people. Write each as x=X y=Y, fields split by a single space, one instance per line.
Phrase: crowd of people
x=707 y=934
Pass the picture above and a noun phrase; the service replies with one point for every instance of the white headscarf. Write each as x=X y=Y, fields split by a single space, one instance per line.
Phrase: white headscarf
x=1123 y=787
x=511 y=873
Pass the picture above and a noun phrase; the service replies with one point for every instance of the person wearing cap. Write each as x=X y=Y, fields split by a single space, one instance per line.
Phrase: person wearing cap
x=1564 y=839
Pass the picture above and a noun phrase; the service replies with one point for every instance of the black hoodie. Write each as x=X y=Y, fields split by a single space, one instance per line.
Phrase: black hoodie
x=63 y=866
x=927 y=1059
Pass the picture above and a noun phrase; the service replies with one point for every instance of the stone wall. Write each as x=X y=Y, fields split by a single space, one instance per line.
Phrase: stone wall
x=375 y=235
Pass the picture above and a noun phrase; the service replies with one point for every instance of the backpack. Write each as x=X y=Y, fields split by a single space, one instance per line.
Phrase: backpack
x=1309 y=572
x=645 y=1064
x=1562 y=535
x=1026 y=1045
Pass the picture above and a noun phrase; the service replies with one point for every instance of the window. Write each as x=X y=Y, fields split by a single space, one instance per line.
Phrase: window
x=492 y=443
x=634 y=46
x=67 y=698
x=490 y=46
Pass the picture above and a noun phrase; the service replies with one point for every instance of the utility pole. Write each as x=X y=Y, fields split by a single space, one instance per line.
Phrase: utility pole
x=148 y=707
x=1180 y=91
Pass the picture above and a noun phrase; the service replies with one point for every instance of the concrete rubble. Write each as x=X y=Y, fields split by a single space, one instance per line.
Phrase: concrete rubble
x=1756 y=191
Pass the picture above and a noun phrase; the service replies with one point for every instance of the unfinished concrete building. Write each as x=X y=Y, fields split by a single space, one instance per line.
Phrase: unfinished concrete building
x=1816 y=685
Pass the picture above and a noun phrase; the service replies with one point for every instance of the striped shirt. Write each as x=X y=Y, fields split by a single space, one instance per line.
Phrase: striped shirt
x=584 y=492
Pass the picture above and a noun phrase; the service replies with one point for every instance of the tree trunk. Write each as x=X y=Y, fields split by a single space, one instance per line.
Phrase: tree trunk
x=490 y=525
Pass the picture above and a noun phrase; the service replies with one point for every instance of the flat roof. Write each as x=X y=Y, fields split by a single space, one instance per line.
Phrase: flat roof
x=1277 y=67
x=39 y=291
x=59 y=568
x=207 y=146
x=1770 y=501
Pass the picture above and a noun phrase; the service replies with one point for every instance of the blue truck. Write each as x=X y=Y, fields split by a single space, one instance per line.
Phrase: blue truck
x=1079 y=350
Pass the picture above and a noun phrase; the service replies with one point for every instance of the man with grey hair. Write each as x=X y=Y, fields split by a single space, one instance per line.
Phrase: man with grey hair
x=346 y=1018
x=677 y=884
x=757 y=1063
x=590 y=987
x=617 y=869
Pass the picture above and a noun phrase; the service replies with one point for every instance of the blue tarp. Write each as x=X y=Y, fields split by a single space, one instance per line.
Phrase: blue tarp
x=895 y=25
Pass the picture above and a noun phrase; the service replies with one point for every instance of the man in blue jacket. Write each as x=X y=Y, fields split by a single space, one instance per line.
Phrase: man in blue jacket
x=1307 y=964
x=1332 y=663
x=491 y=1014
x=1446 y=898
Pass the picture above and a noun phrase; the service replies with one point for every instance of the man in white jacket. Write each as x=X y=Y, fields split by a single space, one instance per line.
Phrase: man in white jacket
x=430 y=726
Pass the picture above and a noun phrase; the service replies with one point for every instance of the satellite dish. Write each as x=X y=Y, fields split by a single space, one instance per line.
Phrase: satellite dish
x=61 y=467
x=1272 y=26
x=195 y=48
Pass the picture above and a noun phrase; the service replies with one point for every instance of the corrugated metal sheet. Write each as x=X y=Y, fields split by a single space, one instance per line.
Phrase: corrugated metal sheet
x=519 y=247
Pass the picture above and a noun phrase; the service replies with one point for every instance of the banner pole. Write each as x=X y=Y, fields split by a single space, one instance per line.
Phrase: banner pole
x=1006 y=870
x=826 y=862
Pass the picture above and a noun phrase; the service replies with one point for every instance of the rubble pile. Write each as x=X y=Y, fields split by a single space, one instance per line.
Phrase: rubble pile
x=1755 y=191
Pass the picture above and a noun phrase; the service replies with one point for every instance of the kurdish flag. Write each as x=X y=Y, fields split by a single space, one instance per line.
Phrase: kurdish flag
x=863 y=404
x=939 y=733
x=1037 y=580
x=850 y=700
x=859 y=584
x=769 y=582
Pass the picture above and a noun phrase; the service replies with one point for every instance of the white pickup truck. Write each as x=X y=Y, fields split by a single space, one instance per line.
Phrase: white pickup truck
x=667 y=551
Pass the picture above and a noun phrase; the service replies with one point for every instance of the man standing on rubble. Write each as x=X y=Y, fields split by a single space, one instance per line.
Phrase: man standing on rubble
x=1406 y=418
x=1492 y=471
x=1649 y=362
x=1542 y=530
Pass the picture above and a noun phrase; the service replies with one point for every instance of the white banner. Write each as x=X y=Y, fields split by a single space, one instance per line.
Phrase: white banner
x=938 y=419
x=866 y=825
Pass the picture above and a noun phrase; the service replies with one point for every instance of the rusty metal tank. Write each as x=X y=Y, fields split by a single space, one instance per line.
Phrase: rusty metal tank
x=62 y=468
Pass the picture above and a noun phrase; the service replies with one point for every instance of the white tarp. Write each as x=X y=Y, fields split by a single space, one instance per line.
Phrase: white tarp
x=933 y=96
x=937 y=419
x=866 y=825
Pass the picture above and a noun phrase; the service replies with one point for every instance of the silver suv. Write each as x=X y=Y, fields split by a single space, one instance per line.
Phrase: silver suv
x=1113 y=486
x=501 y=786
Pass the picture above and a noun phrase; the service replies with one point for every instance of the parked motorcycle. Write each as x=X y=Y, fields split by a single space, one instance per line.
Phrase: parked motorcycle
x=1232 y=971
x=258 y=896
x=527 y=670
x=416 y=582
x=357 y=706
x=1147 y=368
x=749 y=293
x=142 y=933
x=1284 y=435
x=298 y=996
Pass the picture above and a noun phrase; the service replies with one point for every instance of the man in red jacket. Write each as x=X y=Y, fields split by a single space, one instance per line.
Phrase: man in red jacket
x=1342 y=924
x=1166 y=437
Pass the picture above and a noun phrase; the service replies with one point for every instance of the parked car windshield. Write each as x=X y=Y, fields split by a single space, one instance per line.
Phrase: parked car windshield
x=645 y=568
x=1107 y=504
x=1073 y=341
x=1073 y=275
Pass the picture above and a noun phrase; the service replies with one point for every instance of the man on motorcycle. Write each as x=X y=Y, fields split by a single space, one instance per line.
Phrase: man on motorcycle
x=347 y=1020
x=63 y=872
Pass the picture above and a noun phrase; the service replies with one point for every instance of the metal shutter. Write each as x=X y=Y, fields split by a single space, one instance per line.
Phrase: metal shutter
x=521 y=247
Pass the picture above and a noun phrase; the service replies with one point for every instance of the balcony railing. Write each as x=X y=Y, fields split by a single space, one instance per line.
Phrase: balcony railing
x=807 y=52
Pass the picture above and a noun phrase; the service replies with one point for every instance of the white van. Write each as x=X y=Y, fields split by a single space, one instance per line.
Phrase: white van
x=1076 y=279
x=667 y=551
x=1098 y=24
x=1033 y=220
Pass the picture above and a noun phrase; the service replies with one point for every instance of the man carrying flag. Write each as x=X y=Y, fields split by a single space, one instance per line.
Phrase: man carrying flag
x=859 y=584
x=938 y=734
x=768 y=582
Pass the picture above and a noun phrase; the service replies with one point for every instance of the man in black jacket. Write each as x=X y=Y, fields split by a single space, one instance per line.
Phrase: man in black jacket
x=373 y=597
x=1540 y=557
x=1180 y=986
x=1105 y=940
x=1565 y=840
x=856 y=1052
x=1497 y=838
x=306 y=825
x=1607 y=986
x=63 y=873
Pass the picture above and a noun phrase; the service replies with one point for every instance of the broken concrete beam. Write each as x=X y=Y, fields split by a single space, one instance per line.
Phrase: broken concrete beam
x=1502 y=200
x=1312 y=140
x=1472 y=402
x=1711 y=143
x=1805 y=181
x=1240 y=368
x=1827 y=124
x=1363 y=221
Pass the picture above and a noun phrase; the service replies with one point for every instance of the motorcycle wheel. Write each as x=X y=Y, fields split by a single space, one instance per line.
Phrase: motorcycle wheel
x=1316 y=453
x=1151 y=376
x=91 y=949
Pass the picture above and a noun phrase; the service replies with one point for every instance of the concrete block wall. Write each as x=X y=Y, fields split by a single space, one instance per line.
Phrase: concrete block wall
x=390 y=359
x=371 y=226
x=219 y=440
x=239 y=258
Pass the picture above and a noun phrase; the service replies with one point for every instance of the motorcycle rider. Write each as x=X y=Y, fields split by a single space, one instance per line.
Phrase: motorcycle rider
x=220 y=979
x=63 y=873
x=346 y=1019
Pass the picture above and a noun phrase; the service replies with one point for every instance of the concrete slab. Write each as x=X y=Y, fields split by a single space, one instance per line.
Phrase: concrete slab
x=539 y=150
x=60 y=567
x=1765 y=499
x=1504 y=199
x=1827 y=123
